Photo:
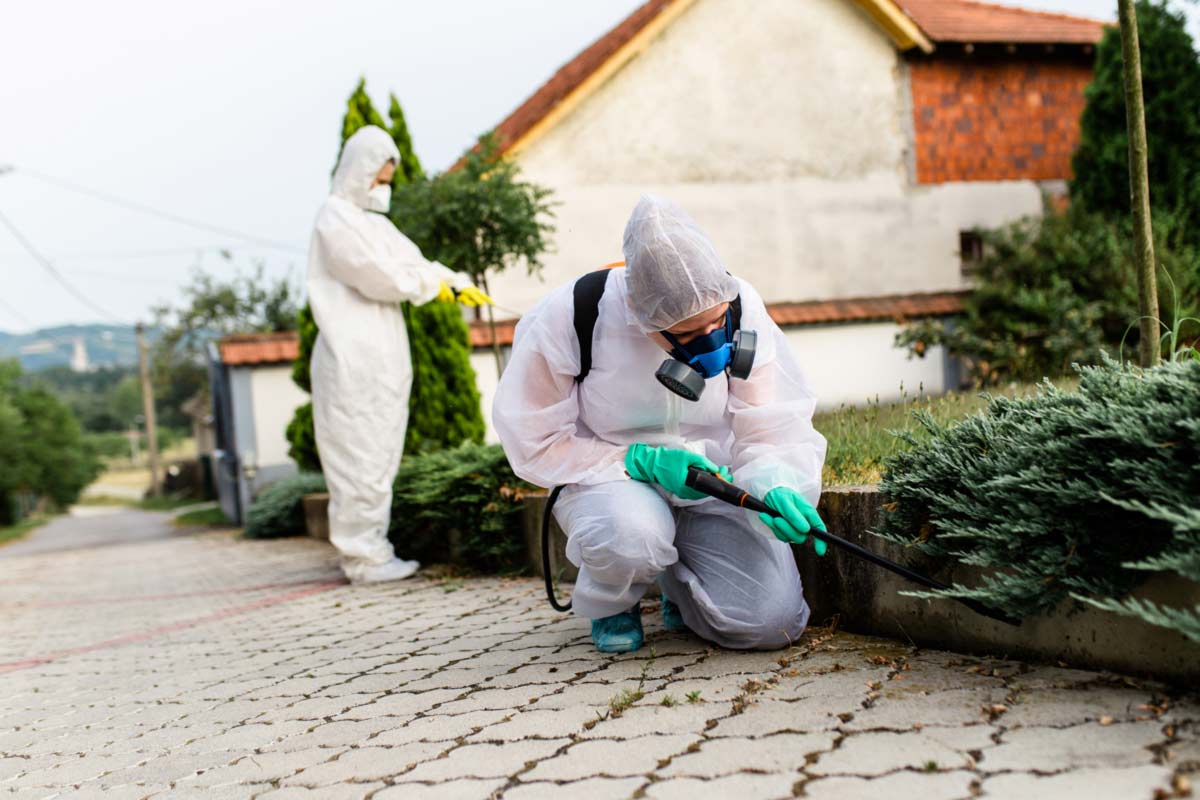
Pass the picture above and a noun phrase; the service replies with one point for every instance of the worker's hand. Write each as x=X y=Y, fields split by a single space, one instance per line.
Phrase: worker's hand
x=797 y=518
x=668 y=468
x=445 y=293
x=472 y=296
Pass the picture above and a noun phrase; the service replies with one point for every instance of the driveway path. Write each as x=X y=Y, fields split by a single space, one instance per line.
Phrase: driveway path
x=168 y=665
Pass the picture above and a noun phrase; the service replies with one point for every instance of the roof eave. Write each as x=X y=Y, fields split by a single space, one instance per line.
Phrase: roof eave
x=903 y=31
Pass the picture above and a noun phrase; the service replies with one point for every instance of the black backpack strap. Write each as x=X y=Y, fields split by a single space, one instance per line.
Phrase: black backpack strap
x=588 y=291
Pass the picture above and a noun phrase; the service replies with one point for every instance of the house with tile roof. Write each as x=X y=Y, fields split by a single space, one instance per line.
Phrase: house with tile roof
x=838 y=152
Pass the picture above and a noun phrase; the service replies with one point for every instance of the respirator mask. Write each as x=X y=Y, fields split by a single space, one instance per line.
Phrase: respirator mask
x=707 y=356
x=379 y=198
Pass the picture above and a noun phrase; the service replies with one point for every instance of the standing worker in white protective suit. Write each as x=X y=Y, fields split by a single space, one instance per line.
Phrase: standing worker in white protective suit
x=621 y=443
x=360 y=268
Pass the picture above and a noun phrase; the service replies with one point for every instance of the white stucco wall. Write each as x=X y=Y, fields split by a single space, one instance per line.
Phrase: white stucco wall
x=274 y=398
x=780 y=126
x=850 y=364
x=487 y=379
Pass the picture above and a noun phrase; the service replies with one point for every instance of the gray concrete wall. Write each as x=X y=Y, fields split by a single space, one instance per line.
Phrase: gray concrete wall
x=865 y=599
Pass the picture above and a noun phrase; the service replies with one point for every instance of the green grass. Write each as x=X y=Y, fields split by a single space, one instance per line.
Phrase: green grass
x=12 y=533
x=206 y=517
x=860 y=437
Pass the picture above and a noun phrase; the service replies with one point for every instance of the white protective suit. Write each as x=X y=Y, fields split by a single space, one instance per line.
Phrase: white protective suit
x=360 y=268
x=734 y=582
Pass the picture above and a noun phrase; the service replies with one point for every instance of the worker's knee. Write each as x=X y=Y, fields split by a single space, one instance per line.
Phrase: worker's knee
x=778 y=623
x=623 y=544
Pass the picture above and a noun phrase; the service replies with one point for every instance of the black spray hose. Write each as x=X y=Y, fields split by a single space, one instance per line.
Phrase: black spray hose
x=546 y=552
x=717 y=487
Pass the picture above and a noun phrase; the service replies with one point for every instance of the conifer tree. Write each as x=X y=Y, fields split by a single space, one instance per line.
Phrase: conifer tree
x=444 y=407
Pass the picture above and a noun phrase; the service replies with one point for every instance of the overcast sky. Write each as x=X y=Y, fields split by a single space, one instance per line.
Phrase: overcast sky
x=228 y=112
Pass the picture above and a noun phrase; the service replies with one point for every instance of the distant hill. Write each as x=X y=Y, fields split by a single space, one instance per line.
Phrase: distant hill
x=102 y=345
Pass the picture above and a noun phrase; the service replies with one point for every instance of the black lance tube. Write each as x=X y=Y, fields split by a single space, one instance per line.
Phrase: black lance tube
x=714 y=486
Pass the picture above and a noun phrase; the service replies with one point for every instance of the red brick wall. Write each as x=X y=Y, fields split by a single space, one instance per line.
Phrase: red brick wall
x=1000 y=117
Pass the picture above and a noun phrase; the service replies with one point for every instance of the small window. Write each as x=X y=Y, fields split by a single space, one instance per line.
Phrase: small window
x=970 y=251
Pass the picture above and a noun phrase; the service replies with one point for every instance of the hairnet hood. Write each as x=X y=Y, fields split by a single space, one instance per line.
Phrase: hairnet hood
x=672 y=269
x=365 y=153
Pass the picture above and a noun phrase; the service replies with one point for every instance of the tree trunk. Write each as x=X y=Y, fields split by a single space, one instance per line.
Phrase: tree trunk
x=491 y=312
x=1139 y=188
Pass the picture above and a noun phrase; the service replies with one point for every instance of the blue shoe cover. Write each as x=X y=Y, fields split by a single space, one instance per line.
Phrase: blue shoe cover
x=672 y=619
x=620 y=633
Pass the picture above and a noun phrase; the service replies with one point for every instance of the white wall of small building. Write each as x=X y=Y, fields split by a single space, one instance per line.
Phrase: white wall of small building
x=851 y=364
x=274 y=399
x=782 y=127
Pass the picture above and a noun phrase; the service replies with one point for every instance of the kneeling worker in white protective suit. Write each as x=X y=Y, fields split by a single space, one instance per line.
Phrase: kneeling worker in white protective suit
x=621 y=442
x=360 y=268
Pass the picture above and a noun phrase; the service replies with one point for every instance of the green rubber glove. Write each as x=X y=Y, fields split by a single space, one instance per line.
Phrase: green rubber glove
x=668 y=468
x=798 y=518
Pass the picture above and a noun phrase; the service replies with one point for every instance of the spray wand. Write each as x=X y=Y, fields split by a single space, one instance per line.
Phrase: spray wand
x=714 y=486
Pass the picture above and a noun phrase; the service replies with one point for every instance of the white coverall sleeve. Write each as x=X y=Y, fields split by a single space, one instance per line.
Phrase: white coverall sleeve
x=536 y=409
x=374 y=269
x=775 y=443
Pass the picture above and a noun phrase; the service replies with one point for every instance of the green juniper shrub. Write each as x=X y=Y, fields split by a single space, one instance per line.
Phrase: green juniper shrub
x=460 y=505
x=302 y=438
x=277 y=511
x=1061 y=493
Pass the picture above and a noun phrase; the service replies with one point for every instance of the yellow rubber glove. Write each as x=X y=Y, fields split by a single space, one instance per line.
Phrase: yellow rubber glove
x=445 y=293
x=471 y=296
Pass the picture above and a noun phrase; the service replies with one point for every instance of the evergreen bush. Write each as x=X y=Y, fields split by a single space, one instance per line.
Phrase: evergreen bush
x=1057 y=291
x=460 y=505
x=1062 y=493
x=277 y=511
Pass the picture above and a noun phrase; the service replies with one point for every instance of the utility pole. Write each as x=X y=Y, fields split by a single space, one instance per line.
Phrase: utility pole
x=148 y=410
x=1139 y=188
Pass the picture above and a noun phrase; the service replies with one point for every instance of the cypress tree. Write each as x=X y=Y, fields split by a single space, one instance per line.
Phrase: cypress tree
x=1171 y=86
x=444 y=407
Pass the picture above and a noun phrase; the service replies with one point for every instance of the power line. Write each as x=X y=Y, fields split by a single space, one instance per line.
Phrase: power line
x=45 y=263
x=17 y=315
x=154 y=212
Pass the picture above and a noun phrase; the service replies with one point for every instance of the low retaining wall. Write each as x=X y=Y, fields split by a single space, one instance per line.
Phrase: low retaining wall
x=866 y=599
x=316 y=515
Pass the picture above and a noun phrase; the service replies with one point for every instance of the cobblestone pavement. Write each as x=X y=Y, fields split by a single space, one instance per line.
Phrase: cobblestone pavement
x=210 y=666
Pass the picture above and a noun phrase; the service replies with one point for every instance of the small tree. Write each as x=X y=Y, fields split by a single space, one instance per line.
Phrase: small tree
x=480 y=218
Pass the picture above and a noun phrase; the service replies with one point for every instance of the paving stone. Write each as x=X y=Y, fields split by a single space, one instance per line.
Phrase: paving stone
x=610 y=758
x=901 y=710
x=588 y=789
x=464 y=789
x=597 y=695
x=1090 y=745
x=262 y=767
x=875 y=753
x=897 y=785
x=540 y=724
x=766 y=787
x=783 y=753
x=440 y=727
x=345 y=791
x=402 y=704
x=1094 y=784
x=1054 y=707
x=488 y=699
x=841 y=687
x=643 y=720
x=243 y=791
x=484 y=760
x=765 y=717
x=365 y=764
